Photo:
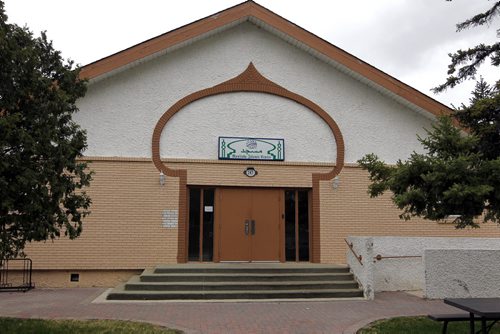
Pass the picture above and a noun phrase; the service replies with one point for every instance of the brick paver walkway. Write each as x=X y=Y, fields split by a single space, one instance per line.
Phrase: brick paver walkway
x=255 y=317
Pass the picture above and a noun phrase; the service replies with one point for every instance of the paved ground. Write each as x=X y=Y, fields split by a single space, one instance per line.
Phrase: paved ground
x=255 y=317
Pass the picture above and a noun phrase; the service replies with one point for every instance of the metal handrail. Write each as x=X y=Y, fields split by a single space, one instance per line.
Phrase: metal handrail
x=358 y=257
x=380 y=257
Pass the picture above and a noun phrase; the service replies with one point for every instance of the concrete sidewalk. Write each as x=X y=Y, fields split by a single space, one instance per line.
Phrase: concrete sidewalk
x=207 y=317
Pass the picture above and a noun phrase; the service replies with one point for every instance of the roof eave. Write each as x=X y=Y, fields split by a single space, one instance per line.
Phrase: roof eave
x=250 y=9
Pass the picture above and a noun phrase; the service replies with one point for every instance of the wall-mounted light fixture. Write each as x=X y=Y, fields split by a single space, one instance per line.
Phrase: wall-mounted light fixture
x=336 y=182
x=163 y=178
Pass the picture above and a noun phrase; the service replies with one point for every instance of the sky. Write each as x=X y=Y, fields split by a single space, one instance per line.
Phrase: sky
x=408 y=39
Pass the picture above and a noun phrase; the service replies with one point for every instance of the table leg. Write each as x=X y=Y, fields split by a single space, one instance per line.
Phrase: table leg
x=483 y=325
x=471 y=323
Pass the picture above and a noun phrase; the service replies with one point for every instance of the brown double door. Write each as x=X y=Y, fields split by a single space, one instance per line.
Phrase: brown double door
x=249 y=224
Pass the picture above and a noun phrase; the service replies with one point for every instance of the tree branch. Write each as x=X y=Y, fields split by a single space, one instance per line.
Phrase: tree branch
x=480 y=19
x=470 y=59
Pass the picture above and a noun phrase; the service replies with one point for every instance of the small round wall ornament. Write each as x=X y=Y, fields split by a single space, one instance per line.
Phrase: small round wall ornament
x=250 y=172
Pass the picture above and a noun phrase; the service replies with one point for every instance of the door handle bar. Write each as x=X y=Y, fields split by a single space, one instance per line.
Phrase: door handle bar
x=247 y=226
x=252 y=226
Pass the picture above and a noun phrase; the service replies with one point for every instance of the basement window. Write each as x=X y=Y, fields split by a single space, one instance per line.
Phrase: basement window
x=74 y=277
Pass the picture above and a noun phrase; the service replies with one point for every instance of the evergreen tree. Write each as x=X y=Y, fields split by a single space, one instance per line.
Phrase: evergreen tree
x=447 y=180
x=460 y=172
x=41 y=178
x=482 y=90
x=464 y=63
x=458 y=175
x=482 y=119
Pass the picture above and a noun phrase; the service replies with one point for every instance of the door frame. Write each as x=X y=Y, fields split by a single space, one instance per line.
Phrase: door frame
x=281 y=223
x=309 y=222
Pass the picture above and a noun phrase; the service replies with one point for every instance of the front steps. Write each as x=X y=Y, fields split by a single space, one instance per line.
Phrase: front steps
x=236 y=281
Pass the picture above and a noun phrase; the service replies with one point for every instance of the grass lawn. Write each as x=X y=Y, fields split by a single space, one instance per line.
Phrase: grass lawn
x=38 y=326
x=419 y=325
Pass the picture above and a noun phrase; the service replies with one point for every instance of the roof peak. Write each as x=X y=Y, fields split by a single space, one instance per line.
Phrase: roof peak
x=244 y=11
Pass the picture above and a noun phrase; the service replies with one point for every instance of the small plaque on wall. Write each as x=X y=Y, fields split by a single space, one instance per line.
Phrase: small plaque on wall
x=170 y=219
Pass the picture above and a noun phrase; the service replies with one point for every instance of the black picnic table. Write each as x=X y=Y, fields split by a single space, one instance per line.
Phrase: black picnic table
x=484 y=308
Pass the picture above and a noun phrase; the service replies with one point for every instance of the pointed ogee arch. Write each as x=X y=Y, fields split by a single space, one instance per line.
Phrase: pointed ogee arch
x=248 y=81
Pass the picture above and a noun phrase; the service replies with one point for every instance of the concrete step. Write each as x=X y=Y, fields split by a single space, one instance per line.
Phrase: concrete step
x=244 y=277
x=136 y=284
x=120 y=294
x=240 y=281
x=262 y=268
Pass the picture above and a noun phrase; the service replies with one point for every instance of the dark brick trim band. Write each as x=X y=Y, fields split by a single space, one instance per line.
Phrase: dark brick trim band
x=248 y=81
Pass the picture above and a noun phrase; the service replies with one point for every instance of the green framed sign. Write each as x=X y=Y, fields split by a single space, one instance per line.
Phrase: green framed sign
x=242 y=148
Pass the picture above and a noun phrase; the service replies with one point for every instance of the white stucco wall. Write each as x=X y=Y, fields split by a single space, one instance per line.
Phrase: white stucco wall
x=193 y=133
x=462 y=273
x=395 y=274
x=120 y=111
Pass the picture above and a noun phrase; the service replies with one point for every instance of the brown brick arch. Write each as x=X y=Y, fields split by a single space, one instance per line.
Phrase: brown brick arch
x=248 y=81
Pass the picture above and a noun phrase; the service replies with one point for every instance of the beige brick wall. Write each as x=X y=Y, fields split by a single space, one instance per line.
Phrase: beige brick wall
x=124 y=230
x=87 y=278
x=61 y=278
x=349 y=210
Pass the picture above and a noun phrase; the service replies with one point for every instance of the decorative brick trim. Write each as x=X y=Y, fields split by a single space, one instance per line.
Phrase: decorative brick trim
x=248 y=81
x=222 y=162
x=182 y=239
x=212 y=162
x=246 y=162
x=315 y=223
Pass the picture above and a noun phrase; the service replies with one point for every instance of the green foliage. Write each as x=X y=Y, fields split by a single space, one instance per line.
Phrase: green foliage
x=464 y=63
x=419 y=325
x=41 y=180
x=482 y=90
x=39 y=326
x=482 y=119
x=451 y=178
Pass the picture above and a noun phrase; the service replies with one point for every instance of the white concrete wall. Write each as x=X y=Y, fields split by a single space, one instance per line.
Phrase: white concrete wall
x=462 y=273
x=120 y=111
x=363 y=272
x=395 y=274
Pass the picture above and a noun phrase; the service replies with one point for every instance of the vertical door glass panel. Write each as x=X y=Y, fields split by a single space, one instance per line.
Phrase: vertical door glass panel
x=208 y=224
x=290 y=225
x=194 y=224
x=303 y=225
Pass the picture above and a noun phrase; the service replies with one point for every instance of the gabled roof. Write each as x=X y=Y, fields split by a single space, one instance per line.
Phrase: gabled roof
x=251 y=11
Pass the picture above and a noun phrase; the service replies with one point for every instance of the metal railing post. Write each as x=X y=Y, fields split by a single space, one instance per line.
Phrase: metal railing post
x=351 y=247
x=26 y=273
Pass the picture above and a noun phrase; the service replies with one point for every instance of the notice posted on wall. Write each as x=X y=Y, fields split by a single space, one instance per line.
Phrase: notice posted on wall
x=170 y=218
